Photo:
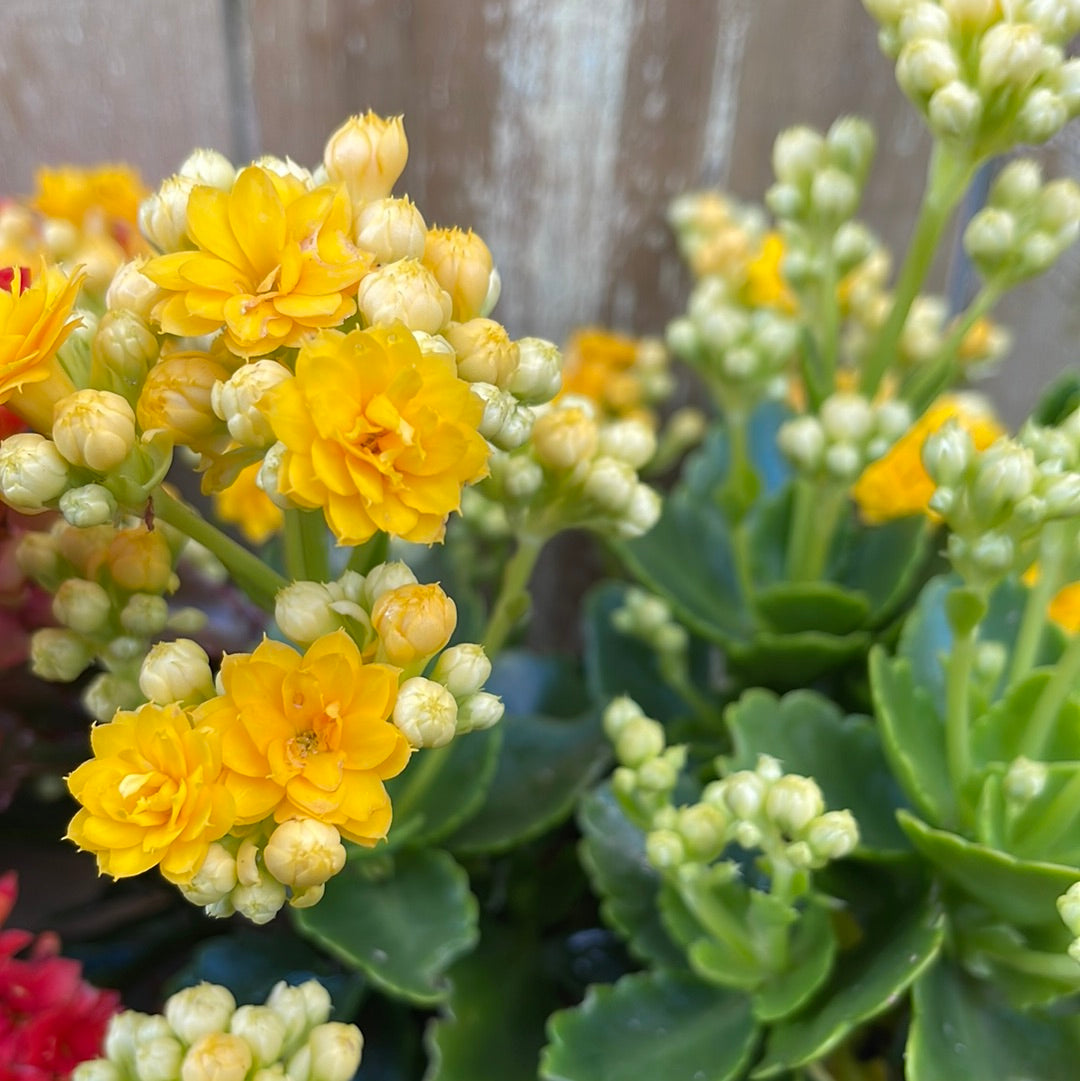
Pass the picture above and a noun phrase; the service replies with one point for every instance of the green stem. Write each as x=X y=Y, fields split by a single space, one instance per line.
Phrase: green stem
x=737 y=496
x=1033 y=622
x=958 y=670
x=420 y=779
x=513 y=596
x=716 y=917
x=254 y=577
x=1062 y=683
x=370 y=554
x=818 y=507
x=1056 y=821
x=306 y=557
x=829 y=317
x=947 y=178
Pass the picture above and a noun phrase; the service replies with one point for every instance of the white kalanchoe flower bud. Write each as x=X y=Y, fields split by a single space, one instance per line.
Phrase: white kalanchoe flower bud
x=834 y=195
x=462 y=264
x=200 y=1010
x=404 y=292
x=797 y=155
x=833 y=835
x=32 y=471
x=259 y=902
x=209 y=167
x=1006 y=474
x=565 y=437
x=145 y=615
x=37 y=555
x=99 y=1069
x=638 y=741
x=990 y=238
x=292 y=1006
x=58 y=656
x=1041 y=116
x=1010 y=55
x=217 y=1056
x=843 y=461
x=236 y=401
x=802 y=440
x=176 y=672
x=1025 y=779
x=269 y=472
x=302 y=611
x=641 y=514
x=383 y=578
x=744 y=793
x=83 y=606
x=336 y=1050
x=158 y=1059
x=619 y=713
x=792 y=802
x=924 y=66
x=286 y=167
x=768 y=768
x=391 y=229
x=993 y=553
x=847 y=417
x=703 y=828
x=120 y=1037
x=132 y=291
x=368 y=153
x=462 y=669
x=948 y=454
x=88 y=505
x=304 y=852
x=610 y=483
x=971 y=15
x=262 y=1029
x=94 y=429
x=1068 y=906
x=479 y=711
x=631 y=441
x=215 y=878
x=538 y=376
x=316 y=1000
x=924 y=20
x=163 y=216
x=485 y=353
x=955 y=110
x=522 y=478
x=664 y=849
x=426 y=713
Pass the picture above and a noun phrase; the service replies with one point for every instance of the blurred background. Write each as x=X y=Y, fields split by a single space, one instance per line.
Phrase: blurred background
x=558 y=129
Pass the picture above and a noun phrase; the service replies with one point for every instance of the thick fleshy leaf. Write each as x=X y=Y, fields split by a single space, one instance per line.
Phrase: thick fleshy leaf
x=1023 y=892
x=790 y=607
x=651 y=1025
x=960 y=1031
x=868 y=980
x=493 y=1022
x=613 y=855
x=784 y=661
x=883 y=562
x=843 y=754
x=401 y=923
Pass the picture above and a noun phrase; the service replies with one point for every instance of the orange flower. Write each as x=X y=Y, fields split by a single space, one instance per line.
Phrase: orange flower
x=274 y=261
x=377 y=434
x=599 y=365
x=309 y=736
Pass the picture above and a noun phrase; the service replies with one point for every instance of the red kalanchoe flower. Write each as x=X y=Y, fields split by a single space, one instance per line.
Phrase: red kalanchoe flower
x=50 y=1018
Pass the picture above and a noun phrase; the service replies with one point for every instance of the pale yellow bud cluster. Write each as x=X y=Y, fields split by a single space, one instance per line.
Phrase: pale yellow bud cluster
x=122 y=351
x=367 y=154
x=986 y=75
x=204 y=1036
x=177 y=398
x=236 y=402
x=716 y=235
x=649 y=618
x=846 y=435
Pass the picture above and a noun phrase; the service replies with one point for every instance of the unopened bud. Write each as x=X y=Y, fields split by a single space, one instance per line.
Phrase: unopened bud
x=383 y=578
x=262 y=1030
x=926 y=65
x=479 y=711
x=215 y=878
x=834 y=195
x=462 y=669
x=847 y=417
x=538 y=375
x=425 y=713
x=462 y=265
x=58 y=656
x=32 y=471
x=1025 y=779
x=947 y=454
x=199 y=1011
x=1068 y=906
x=618 y=714
x=367 y=153
x=217 y=1056
x=631 y=441
x=236 y=401
x=404 y=292
x=413 y=622
x=176 y=672
x=639 y=741
x=209 y=167
x=158 y=1058
x=798 y=154
x=336 y=1050
x=664 y=849
x=610 y=484
x=792 y=802
x=803 y=441
x=304 y=852
x=1041 y=116
x=391 y=229
x=833 y=835
x=703 y=828
x=485 y=353
x=744 y=793
x=88 y=505
x=163 y=216
x=641 y=514
x=564 y=437
x=260 y=902
x=1010 y=55
x=83 y=606
x=303 y=611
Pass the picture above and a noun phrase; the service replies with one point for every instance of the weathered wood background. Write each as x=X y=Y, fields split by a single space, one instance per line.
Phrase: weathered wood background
x=558 y=129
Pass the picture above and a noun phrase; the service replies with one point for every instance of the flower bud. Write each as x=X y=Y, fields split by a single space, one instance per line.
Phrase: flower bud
x=163 y=216
x=664 y=849
x=462 y=265
x=57 y=655
x=88 y=505
x=108 y=692
x=94 y=429
x=479 y=711
x=98 y=1069
x=948 y=453
x=1025 y=779
x=158 y=1059
x=1005 y=476
x=37 y=557
x=124 y=347
x=564 y=437
x=485 y=353
x=209 y=167
x=391 y=229
x=924 y=66
x=217 y=1056
x=176 y=398
x=642 y=513
x=404 y=292
x=413 y=622
x=1010 y=55
x=833 y=835
x=32 y=471
x=993 y=553
x=1068 y=906
x=121 y=1035
x=843 y=461
x=215 y=878
x=83 y=606
x=703 y=829
x=304 y=852
x=302 y=611
x=335 y=1051
x=367 y=153
x=803 y=441
x=522 y=478
x=744 y=793
x=262 y=1030
x=618 y=714
x=425 y=713
x=462 y=669
x=1041 y=116
x=145 y=615
x=307 y=897
x=140 y=560
x=847 y=417
x=1059 y=206
x=638 y=741
x=851 y=142
x=236 y=401
x=610 y=484
x=538 y=376
x=261 y=901
x=631 y=441
x=990 y=239
x=269 y=472
x=176 y=672
x=383 y=578
x=287 y=168
x=792 y=802
x=199 y=1011
x=954 y=110
x=798 y=154
x=834 y=195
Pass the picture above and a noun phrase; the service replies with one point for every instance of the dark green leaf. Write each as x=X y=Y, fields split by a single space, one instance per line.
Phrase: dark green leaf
x=884 y=562
x=812 y=952
x=531 y=683
x=1059 y=399
x=651 y=1025
x=790 y=607
x=401 y=928
x=783 y=661
x=843 y=754
x=959 y=1031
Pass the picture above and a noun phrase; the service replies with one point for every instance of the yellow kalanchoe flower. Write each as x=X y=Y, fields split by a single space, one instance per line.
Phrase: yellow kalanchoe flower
x=765 y=286
x=70 y=192
x=245 y=505
x=599 y=365
x=378 y=435
x=897 y=484
x=309 y=736
x=151 y=795
x=35 y=320
x=273 y=262
x=1064 y=609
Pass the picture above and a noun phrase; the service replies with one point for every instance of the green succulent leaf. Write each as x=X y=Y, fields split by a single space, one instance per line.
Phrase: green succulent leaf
x=401 y=923
x=785 y=661
x=791 y=607
x=883 y=563
x=651 y=1025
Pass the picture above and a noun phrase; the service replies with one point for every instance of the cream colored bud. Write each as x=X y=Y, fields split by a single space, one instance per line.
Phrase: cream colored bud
x=462 y=265
x=367 y=153
x=209 y=167
x=302 y=611
x=631 y=441
x=611 y=484
x=413 y=623
x=404 y=292
x=163 y=216
x=792 y=802
x=924 y=66
x=57 y=655
x=286 y=167
x=217 y=1056
x=1068 y=85
x=261 y=901
x=462 y=669
x=1006 y=474
x=434 y=345
x=199 y=1011
x=98 y=1069
x=892 y=418
x=300 y=1008
x=485 y=353
x=642 y=513
x=262 y=1030
x=1059 y=206
x=833 y=835
x=990 y=239
x=391 y=229
x=798 y=154
x=703 y=829
x=834 y=195
x=1068 y=906
x=847 y=416
x=744 y=793
x=32 y=472
x=618 y=714
x=37 y=556
x=425 y=713
x=803 y=441
x=94 y=429
x=131 y=290
x=521 y=479
x=120 y=1037
x=308 y=897
x=565 y=437
x=1010 y=55
x=215 y=878
x=1025 y=780
x=236 y=401
x=176 y=398
x=638 y=741
x=88 y=505
x=83 y=606
x=158 y=1059
x=538 y=377
x=955 y=110
x=479 y=711
x=664 y=849
x=843 y=461
x=108 y=692
x=304 y=852
x=176 y=672
x=145 y=615
x=970 y=16
x=299 y=1067
x=268 y=476
x=383 y=578
x=335 y=1051
x=1041 y=116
